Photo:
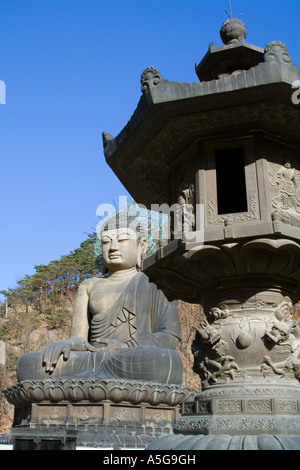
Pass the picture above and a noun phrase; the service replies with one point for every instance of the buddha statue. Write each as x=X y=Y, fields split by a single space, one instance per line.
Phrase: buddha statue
x=123 y=326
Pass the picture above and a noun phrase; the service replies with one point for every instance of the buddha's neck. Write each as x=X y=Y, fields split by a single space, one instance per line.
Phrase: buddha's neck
x=122 y=274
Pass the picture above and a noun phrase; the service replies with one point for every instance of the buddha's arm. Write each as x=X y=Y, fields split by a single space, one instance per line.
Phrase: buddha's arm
x=79 y=332
x=158 y=339
x=80 y=319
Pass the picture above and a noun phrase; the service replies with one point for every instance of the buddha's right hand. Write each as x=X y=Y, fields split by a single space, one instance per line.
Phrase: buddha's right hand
x=52 y=352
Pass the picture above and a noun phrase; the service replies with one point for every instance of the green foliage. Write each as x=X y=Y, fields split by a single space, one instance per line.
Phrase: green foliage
x=54 y=280
x=4 y=331
x=2 y=310
x=57 y=318
x=44 y=291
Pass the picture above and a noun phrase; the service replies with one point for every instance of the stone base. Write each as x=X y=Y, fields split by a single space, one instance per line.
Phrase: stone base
x=24 y=438
x=103 y=424
x=64 y=414
x=243 y=409
x=177 y=442
x=238 y=417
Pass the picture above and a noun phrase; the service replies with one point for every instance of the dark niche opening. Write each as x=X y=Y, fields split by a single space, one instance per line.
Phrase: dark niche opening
x=231 y=181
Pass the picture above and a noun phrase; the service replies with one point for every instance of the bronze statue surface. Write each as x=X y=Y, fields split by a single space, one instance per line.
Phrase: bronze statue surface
x=122 y=327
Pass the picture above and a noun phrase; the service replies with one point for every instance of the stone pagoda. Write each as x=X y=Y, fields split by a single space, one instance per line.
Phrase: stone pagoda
x=228 y=149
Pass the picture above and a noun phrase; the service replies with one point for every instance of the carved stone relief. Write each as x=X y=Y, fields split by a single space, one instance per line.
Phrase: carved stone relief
x=285 y=193
x=277 y=51
x=149 y=77
x=186 y=202
x=249 y=339
x=285 y=178
x=214 y=218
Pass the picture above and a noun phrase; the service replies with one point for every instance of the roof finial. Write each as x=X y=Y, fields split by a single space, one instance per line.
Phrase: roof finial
x=230 y=8
x=233 y=28
x=230 y=11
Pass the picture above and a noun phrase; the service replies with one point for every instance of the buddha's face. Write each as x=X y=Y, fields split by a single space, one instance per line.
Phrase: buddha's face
x=120 y=249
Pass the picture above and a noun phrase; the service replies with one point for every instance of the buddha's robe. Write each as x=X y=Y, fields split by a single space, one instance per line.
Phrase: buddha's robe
x=144 y=321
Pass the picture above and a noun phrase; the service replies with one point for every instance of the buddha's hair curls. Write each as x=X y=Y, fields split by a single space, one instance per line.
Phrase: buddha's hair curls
x=123 y=220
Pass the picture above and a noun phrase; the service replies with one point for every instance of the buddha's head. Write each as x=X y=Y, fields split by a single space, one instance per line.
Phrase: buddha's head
x=123 y=243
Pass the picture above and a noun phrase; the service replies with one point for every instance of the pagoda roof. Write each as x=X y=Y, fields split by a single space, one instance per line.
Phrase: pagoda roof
x=171 y=115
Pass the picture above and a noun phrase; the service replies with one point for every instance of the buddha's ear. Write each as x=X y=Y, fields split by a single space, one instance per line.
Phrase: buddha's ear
x=142 y=250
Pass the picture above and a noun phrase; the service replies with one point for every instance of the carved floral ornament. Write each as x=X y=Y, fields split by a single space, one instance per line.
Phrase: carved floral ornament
x=149 y=77
x=190 y=277
x=277 y=51
x=214 y=218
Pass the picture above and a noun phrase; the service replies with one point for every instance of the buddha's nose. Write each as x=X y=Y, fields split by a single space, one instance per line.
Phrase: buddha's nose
x=114 y=245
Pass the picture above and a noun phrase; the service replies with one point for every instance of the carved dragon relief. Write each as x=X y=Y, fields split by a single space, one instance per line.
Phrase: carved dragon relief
x=216 y=364
x=283 y=334
x=215 y=360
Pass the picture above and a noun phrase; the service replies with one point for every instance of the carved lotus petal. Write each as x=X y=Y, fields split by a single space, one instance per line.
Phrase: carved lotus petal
x=177 y=396
x=16 y=395
x=118 y=393
x=10 y=397
x=157 y=396
x=75 y=393
x=110 y=384
x=25 y=385
x=22 y=391
x=56 y=393
x=173 y=397
x=96 y=392
x=138 y=395
x=188 y=276
x=36 y=393
x=86 y=384
x=269 y=256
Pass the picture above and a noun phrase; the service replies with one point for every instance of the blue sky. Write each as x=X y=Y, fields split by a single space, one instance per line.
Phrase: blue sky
x=72 y=70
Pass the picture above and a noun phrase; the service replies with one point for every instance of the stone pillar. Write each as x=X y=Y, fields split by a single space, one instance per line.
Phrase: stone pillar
x=247 y=350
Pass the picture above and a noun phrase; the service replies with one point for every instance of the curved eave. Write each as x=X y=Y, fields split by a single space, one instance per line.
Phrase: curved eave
x=167 y=100
x=167 y=92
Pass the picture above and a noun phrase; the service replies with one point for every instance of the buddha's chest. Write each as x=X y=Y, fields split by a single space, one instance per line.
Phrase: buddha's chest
x=105 y=295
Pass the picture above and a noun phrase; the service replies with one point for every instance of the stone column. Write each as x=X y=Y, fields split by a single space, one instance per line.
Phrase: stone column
x=247 y=351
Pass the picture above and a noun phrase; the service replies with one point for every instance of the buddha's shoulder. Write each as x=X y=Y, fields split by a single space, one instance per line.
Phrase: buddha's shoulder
x=93 y=281
x=89 y=283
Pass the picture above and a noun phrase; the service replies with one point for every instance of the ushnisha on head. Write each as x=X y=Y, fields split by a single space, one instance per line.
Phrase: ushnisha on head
x=123 y=243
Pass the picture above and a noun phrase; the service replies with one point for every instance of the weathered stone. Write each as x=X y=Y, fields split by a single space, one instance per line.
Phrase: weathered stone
x=2 y=353
x=228 y=147
x=118 y=370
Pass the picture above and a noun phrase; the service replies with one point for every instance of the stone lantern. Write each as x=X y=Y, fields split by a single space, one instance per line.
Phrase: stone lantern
x=228 y=149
